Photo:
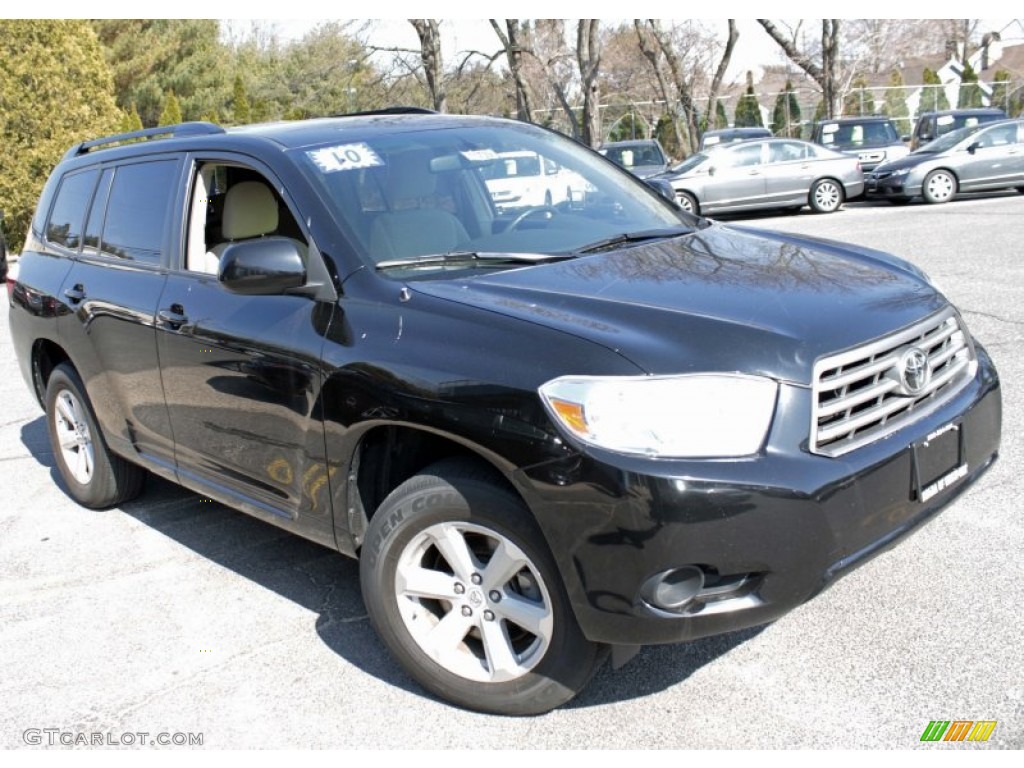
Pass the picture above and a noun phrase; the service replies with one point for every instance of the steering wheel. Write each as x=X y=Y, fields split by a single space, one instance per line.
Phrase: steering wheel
x=549 y=209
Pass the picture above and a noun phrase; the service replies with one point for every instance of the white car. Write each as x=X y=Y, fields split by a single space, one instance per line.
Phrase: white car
x=527 y=180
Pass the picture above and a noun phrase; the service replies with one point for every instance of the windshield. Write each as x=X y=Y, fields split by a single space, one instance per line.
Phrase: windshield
x=948 y=141
x=634 y=155
x=858 y=135
x=507 y=188
x=690 y=163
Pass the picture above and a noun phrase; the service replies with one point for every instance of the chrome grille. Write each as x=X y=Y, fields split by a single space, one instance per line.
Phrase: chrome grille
x=863 y=394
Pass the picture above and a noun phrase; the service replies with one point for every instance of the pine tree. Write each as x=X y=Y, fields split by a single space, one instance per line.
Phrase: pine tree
x=970 y=91
x=859 y=101
x=895 y=104
x=748 y=111
x=663 y=133
x=240 y=103
x=130 y=120
x=171 y=114
x=1001 y=91
x=933 y=96
x=55 y=90
x=721 y=119
x=786 y=116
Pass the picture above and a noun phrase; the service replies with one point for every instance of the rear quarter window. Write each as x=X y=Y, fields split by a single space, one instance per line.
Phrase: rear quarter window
x=67 y=218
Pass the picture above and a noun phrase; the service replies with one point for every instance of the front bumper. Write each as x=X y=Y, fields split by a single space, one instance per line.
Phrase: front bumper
x=901 y=187
x=769 y=532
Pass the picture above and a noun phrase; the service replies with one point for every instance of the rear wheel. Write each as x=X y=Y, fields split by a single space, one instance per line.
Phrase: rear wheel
x=460 y=585
x=826 y=196
x=939 y=187
x=94 y=476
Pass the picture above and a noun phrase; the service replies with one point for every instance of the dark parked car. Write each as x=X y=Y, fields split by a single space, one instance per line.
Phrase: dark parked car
x=872 y=140
x=731 y=135
x=766 y=174
x=642 y=157
x=543 y=432
x=933 y=125
x=972 y=159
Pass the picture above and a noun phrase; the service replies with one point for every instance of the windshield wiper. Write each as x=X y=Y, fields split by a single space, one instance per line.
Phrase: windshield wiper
x=635 y=237
x=471 y=258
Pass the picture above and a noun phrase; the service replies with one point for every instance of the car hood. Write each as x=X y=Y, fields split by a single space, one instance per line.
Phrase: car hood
x=910 y=161
x=646 y=171
x=720 y=299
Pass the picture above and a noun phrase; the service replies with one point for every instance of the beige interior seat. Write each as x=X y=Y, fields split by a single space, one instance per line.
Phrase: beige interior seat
x=250 y=210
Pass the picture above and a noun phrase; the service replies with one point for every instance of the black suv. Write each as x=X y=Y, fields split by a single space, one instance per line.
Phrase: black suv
x=544 y=431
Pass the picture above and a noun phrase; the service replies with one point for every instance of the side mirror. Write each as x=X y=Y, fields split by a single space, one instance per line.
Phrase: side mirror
x=973 y=147
x=271 y=265
x=905 y=138
x=663 y=188
x=712 y=170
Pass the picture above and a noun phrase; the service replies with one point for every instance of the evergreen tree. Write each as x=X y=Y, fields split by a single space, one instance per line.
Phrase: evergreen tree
x=748 y=111
x=55 y=90
x=130 y=120
x=895 y=104
x=859 y=101
x=240 y=103
x=171 y=114
x=933 y=96
x=663 y=133
x=721 y=119
x=786 y=116
x=970 y=92
x=1001 y=91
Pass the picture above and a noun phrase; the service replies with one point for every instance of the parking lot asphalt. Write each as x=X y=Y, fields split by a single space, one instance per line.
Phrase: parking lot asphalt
x=176 y=615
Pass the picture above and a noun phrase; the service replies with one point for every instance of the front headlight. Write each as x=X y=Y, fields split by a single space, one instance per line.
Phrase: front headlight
x=901 y=172
x=690 y=416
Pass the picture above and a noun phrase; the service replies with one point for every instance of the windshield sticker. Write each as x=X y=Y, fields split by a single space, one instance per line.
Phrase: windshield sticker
x=345 y=157
x=830 y=128
x=944 y=119
x=711 y=140
x=479 y=155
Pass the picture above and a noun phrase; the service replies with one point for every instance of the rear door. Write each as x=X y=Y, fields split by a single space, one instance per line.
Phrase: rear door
x=996 y=161
x=789 y=173
x=111 y=296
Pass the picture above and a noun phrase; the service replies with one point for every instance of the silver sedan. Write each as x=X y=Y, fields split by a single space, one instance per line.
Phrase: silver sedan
x=774 y=173
x=978 y=157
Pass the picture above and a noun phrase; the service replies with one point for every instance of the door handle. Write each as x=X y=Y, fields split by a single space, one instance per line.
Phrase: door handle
x=75 y=294
x=173 y=317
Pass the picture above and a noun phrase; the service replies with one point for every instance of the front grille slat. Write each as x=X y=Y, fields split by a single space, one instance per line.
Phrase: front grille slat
x=859 y=396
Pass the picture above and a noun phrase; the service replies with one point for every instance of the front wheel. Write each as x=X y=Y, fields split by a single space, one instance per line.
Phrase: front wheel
x=826 y=196
x=463 y=590
x=939 y=187
x=94 y=477
x=688 y=202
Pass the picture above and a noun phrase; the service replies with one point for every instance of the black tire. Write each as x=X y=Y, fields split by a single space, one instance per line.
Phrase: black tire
x=939 y=186
x=1021 y=190
x=826 y=196
x=547 y=198
x=93 y=476
x=688 y=202
x=487 y=661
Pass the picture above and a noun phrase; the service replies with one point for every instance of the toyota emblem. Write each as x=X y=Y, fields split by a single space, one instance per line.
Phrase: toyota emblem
x=914 y=370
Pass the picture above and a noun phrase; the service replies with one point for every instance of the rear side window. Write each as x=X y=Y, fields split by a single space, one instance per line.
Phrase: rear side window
x=68 y=214
x=137 y=210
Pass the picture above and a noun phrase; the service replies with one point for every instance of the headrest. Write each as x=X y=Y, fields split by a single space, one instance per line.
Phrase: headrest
x=250 y=210
x=409 y=177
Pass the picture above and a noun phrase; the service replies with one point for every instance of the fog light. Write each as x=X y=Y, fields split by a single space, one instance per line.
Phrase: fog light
x=673 y=589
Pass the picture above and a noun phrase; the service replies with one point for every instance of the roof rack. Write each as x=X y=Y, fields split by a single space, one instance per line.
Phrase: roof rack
x=389 y=111
x=167 y=131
